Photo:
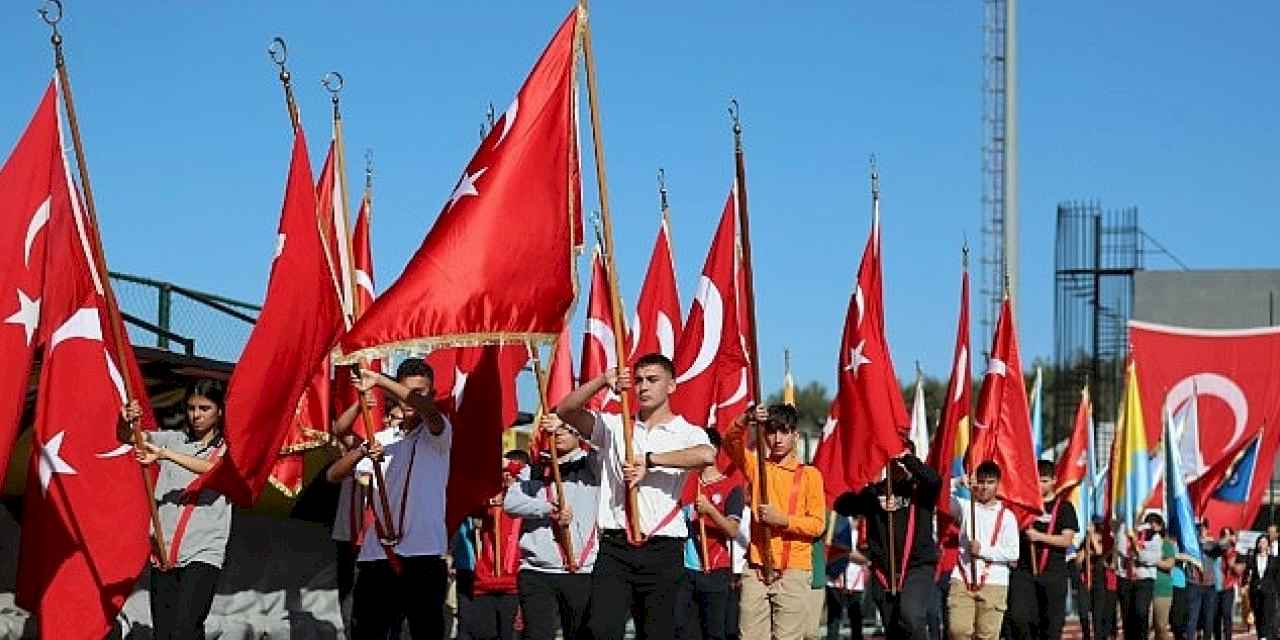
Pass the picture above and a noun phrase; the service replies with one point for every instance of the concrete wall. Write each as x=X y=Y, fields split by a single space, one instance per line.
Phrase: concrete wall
x=1208 y=299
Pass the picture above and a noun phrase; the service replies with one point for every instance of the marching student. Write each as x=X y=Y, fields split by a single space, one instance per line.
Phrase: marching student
x=776 y=605
x=552 y=587
x=489 y=610
x=1227 y=579
x=846 y=578
x=989 y=544
x=902 y=592
x=1038 y=596
x=1262 y=579
x=702 y=609
x=639 y=576
x=1202 y=593
x=416 y=470
x=183 y=583
x=1139 y=554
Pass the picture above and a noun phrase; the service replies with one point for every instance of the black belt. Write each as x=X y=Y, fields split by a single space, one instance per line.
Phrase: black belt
x=621 y=534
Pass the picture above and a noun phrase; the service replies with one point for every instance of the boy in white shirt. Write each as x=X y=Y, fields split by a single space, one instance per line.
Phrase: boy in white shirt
x=979 y=590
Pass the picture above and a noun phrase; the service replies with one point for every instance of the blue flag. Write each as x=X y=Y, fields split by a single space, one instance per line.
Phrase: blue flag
x=1182 y=521
x=1236 y=487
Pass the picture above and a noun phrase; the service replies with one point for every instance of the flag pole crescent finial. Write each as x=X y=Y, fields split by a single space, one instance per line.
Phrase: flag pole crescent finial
x=735 y=116
x=662 y=189
x=332 y=82
x=51 y=13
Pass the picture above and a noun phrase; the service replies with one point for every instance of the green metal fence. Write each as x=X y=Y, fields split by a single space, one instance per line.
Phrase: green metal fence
x=168 y=316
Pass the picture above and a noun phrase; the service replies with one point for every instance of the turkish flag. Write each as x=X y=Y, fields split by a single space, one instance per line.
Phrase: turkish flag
x=85 y=527
x=560 y=379
x=657 y=322
x=294 y=332
x=599 y=346
x=513 y=218
x=27 y=182
x=1073 y=466
x=1002 y=428
x=868 y=419
x=362 y=262
x=1224 y=383
x=476 y=389
x=946 y=452
x=709 y=356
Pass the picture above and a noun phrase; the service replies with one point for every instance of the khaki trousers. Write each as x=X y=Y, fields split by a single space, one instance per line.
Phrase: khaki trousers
x=813 y=616
x=1160 y=612
x=976 y=615
x=779 y=610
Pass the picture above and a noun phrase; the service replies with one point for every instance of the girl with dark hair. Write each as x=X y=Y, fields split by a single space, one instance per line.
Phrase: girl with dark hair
x=196 y=530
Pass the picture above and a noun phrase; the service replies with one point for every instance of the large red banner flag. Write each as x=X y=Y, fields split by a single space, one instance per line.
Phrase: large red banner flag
x=294 y=333
x=1223 y=383
x=868 y=418
x=1002 y=427
x=710 y=354
x=85 y=521
x=27 y=182
x=498 y=265
x=657 y=323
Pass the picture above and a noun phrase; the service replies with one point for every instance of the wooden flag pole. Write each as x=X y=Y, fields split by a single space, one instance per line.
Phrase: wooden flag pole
x=753 y=344
x=615 y=297
x=565 y=535
x=52 y=17
x=973 y=507
x=333 y=83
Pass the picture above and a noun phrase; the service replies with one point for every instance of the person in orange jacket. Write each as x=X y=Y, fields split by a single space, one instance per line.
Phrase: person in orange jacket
x=784 y=525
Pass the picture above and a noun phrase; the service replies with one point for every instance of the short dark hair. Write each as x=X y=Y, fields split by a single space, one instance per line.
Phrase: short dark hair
x=785 y=415
x=519 y=455
x=1154 y=517
x=656 y=360
x=415 y=367
x=713 y=437
x=1046 y=468
x=988 y=469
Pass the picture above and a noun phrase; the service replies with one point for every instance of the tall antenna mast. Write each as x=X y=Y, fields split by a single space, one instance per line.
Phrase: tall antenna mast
x=999 y=159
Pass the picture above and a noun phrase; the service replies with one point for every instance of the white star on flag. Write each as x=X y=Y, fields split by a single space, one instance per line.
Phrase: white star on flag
x=856 y=359
x=466 y=187
x=998 y=368
x=51 y=461
x=27 y=315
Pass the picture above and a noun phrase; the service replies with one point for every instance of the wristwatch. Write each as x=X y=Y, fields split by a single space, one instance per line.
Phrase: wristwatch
x=648 y=460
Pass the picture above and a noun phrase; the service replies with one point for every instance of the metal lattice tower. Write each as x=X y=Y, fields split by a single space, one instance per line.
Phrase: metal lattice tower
x=999 y=160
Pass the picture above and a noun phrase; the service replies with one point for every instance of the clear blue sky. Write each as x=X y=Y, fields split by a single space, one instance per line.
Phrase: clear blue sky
x=1172 y=108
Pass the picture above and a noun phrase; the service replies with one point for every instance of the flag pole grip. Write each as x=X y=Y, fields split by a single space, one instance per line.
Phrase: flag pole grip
x=564 y=535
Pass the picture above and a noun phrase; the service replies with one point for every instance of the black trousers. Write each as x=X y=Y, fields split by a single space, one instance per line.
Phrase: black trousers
x=1178 y=613
x=383 y=599
x=1137 y=613
x=839 y=604
x=643 y=581
x=1037 y=605
x=1102 y=606
x=553 y=600
x=1263 y=610
x=702 y=608
x=1226 y=602
x=180 y=600
x=906 y=615
x=733 y=611
x=1080 y=596
x=488 y=616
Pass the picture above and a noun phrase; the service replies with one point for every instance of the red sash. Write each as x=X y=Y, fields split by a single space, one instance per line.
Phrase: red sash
x=587 y=548
x=906 y=552
x=986 y=566
x=791 y=510
x=1043 y=560
x=188 y=508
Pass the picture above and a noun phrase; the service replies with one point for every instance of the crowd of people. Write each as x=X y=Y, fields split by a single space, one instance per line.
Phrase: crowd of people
x=677 y=539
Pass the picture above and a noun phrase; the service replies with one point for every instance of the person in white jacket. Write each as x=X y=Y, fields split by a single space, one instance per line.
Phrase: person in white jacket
x=988 y=547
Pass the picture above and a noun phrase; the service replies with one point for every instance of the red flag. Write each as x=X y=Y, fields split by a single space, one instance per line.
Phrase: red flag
x=657 y=322
x=27 y=182
x=362 y=263
x=476 y=389
x=294 y=332
x=1073 y=466
x=1002 y=429
x=560 y=374
x=868 y=419
x=512 y=218
x=599 y=344
x=1222 y=382
x=85 y=522
x=946 y=452
x=709 y=356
